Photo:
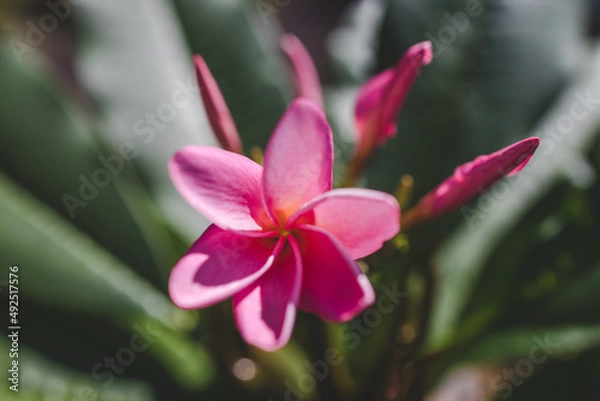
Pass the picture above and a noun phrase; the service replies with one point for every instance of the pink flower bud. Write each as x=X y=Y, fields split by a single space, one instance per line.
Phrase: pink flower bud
x=471 y=179
x=381 y=98
x=306 y=78
x=216 y=109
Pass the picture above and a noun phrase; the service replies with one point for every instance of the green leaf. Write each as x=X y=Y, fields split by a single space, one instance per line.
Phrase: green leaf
x=43 y=379
x=463 y=257
x=61 y=266
x=189 y=363
x=521 y=54
x=553 y=342
x=491 y=78
x=52 y=255
x=48 y=147
x=245 y=61
x=353 y=46
x=580 y=300
x=353 y=43
x=147 y=91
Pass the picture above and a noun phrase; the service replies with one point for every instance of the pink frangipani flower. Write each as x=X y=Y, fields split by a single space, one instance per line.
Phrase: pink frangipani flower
x=471 y=179
x=306 y=78
x=281 y=238
x=216 y=109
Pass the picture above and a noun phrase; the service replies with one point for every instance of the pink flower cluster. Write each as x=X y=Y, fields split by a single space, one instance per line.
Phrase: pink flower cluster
x=282 y=238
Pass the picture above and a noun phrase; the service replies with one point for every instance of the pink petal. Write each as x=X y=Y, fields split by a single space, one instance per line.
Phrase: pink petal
x=361 y=219
x=216 y=109
x=222 y=185
x=306 y=78
x=298 y=160
x=265 y=312
x=381 y=98
x=218 y=265
x=333 y=286
x=472 y=178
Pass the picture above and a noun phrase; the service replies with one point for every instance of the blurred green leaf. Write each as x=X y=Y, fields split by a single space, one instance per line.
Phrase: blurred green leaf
x=48 y=148
x=353 y=48
x=242 y=50
x=521 y=54
x=97 y=283
x=146 y=89
x=572 y=379
x=286 y=366
x=42 y=379
x=189 y=363
x=353 y=43
x=549 y=249
x=579 y=301
x=552 y=342
x=463 y=257
x=492 y=76
x=365 y=343
x=61 y=266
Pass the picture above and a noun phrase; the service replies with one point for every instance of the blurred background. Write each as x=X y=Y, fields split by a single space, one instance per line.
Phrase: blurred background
x=501 y=299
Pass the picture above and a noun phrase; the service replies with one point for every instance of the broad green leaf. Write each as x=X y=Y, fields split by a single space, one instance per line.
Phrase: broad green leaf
x=525 y=352
x=47 y=146
x=548 y=250
x=535 y=343
x=146 y=88
x=52 y=255
x=353 y=44
x=492 y=75
x=463 y=257
x=368 y=337
x=241 y=48
x=522 y=53
x=286 y=366
x=188 y=362
x=61 y=266
x=580 y=300
x=573 y=378
x=43 y=379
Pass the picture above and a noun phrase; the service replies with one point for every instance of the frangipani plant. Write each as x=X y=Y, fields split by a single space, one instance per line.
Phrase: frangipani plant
x=282 y=238
x=98 y=97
